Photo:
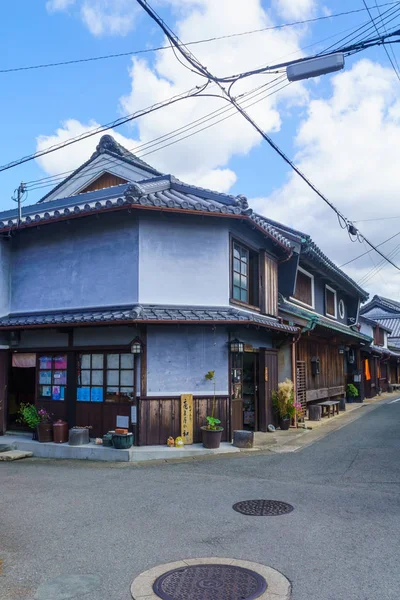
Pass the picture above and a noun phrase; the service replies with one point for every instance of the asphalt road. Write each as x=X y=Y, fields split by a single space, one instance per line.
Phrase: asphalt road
x=341 y=542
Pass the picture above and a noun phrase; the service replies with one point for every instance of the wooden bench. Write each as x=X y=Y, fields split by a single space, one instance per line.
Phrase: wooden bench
x=395 y=386
x=329 y=405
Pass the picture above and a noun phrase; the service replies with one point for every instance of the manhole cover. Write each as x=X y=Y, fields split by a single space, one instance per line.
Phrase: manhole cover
x=210 y=582
x=262 y=508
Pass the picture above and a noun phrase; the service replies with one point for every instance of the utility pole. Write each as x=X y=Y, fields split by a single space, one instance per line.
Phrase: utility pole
x=19 y=192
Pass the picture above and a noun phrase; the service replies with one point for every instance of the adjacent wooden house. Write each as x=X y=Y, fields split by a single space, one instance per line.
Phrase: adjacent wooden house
x=123 y=287
x=320 y=299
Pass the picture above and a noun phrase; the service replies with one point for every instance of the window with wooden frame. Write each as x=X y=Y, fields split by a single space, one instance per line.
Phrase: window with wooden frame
x=245 y=275
x=105 y=377
x=330 y=302
x=304 y=291
x=379 y=336
x=52 y=376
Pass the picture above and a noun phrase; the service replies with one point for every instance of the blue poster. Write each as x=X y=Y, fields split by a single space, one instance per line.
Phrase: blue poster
x=83 y=394
x=97 y=394
x=56 y=392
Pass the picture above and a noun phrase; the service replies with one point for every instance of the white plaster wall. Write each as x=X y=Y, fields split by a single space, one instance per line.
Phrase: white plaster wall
x=183 y=260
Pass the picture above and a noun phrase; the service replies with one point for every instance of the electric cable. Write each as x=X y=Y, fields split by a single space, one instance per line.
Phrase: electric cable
x=204 y=71
x=384 y=47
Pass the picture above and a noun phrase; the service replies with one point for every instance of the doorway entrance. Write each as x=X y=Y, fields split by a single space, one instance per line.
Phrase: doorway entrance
x=21 y=384
x=245 y=399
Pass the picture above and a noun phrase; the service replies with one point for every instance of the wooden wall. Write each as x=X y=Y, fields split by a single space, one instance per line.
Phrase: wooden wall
x=269 y=274
x=331 y=363
x=104 y=181
x=160 y=418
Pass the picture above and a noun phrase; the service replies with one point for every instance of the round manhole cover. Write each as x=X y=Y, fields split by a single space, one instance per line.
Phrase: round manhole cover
x=262 y=508
x=210 y=582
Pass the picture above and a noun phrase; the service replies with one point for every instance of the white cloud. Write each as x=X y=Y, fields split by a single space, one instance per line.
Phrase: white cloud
x=348 y=146
x=102 y=17
x=203 y=158
x=295 y=9
x=109 y=17
x=211 y=150
x=58 y=5
x=71 y=157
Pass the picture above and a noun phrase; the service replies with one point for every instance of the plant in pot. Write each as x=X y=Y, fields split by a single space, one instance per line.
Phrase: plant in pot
x=45 y=426
x=352 y=392
x=212 y=432
x=28 y=415
x=284 y=403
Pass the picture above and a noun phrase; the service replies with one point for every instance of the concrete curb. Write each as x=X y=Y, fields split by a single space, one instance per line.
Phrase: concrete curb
x=279 y=587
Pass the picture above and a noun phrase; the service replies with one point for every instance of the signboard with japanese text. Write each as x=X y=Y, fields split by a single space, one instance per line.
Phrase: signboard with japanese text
x=187 y=418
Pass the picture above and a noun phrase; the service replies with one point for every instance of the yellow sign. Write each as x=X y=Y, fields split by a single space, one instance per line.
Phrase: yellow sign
x=266 y=374
x=187 y=418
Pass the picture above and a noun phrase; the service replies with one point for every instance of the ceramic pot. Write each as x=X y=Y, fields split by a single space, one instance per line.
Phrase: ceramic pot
x=285 y=424
x=211 y=437
x=45 y=432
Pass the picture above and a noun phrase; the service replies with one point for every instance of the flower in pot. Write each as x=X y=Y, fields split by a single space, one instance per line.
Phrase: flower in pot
x=284 y=403
x=28 y=415
x=45 y=426
x=212 y=432
x=352 y=392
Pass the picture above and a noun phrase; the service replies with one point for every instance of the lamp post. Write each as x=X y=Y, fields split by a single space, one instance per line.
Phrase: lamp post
x=236 y=346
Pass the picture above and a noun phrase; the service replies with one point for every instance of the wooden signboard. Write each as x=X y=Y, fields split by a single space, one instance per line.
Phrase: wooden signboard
x=187 y=418
x=266 y=374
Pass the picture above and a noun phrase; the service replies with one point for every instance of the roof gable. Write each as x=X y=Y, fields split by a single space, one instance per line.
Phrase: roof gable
x=380 y=305
x=109 y=157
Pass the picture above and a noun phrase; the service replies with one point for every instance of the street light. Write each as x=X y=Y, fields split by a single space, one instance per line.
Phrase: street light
x=315 y=67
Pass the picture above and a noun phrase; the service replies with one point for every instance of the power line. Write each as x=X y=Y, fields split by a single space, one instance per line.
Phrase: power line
x=117 y=123
x=377 y=219
x=365 y=253
x=51 y=180
x=378 y=32
x=193 y=61
x=384 y=27
x=195 y=42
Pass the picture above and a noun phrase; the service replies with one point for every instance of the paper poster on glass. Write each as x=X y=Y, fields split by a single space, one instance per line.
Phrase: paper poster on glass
x=46 y=390
x=45 y=377
x=60 y=377
x=45 y=362
x=97 y=394
x=60 y=362
x=83 y=394
x=56 y=394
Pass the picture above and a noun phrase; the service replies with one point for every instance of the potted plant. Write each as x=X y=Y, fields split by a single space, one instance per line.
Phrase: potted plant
x=212 y=432
x=28 y=415
x=284 y=404
x=352 y=392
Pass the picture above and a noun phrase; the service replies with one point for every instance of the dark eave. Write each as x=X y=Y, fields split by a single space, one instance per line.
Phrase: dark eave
x=163 y=193
x=139 y=314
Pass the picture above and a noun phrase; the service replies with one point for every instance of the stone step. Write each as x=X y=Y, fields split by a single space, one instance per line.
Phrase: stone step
x=15 y=455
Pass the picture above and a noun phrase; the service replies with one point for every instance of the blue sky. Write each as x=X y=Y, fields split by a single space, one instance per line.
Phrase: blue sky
x=38 y=102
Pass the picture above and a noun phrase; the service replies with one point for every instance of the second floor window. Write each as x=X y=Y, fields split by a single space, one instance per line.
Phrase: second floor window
x=379 y=336
x=330 y=302
x=304 y=291
x=245 y=275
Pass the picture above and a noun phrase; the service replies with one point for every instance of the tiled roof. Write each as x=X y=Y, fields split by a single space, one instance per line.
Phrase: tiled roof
x=164 y=193
x=382 y=324
x=321 y=321
x=381 y=302
x=107 y=145
x=145 y=314
x=309 y=249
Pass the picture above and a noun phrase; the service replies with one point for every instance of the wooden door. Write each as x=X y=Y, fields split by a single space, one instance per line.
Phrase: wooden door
x=237 y=391
x=268 y=382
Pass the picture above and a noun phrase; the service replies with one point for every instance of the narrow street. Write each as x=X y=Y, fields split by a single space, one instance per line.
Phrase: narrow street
x=341 y=542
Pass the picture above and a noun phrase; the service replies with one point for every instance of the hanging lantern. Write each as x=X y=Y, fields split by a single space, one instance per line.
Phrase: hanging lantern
x=136 y=346
x=236 y=346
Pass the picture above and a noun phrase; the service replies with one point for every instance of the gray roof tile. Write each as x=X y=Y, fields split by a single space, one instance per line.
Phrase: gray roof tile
x=145 y=314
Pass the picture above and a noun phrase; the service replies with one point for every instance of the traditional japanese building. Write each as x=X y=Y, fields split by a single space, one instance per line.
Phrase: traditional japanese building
x=123 y=287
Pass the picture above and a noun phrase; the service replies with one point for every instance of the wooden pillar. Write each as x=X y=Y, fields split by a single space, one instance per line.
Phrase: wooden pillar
x=4 y=365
